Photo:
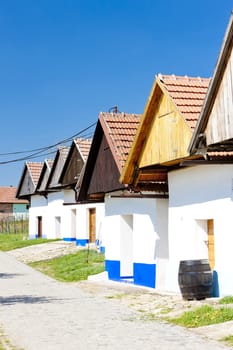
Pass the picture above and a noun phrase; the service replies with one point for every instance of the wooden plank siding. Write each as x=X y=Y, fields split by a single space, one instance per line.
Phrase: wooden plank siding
x=166 y=126
x=220 y=124
x=27 y=186
x=168 y=136
x=214 y=130
x=73 y=168
x=105 y=168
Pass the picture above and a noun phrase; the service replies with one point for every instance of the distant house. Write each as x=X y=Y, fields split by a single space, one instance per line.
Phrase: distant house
x=10 y=205
x=27 y=190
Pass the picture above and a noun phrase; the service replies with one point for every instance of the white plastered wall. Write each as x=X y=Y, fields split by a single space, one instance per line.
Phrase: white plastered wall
x=149 y=225
x=198 y=194
x=37 y=208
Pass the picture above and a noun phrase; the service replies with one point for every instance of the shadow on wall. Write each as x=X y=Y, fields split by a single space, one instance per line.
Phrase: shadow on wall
x=215 y=284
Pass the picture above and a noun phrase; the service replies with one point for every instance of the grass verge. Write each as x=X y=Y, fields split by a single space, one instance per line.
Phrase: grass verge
x=5 y=343
x=203 y=316
x=10 y=241
x=226 y=300
x=72 y=267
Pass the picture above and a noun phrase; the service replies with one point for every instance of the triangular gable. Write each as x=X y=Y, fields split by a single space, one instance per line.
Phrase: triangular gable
x=215 y=124
x=54 y=176
x=74 y=162
x=167 y=124
x=112 y=140
x=43 y=179
x=29 y=179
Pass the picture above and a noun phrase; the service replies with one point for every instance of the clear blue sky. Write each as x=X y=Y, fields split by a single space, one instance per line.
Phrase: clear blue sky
x=62 y=62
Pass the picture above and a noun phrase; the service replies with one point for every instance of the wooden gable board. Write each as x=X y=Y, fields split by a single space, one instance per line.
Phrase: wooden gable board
x=162 y=137
x=43 y=180
x=73 y=166
x=96 y=180
x=59 y=161
x=105 y=175
x=27 y=184
x=89 y=165
x=215 y=124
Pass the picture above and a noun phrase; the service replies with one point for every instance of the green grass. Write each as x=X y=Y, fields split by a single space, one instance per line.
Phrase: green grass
x=5 y=343
x=226 y=300
x=203 y=316
x=229 y=340
x=10 y=241
x=73 y=267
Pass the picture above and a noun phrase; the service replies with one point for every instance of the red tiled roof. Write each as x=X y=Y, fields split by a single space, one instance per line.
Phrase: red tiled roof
x=188 y=93
x=7 y=195
x=35 y=170
x=84 y=146
x=121 y=128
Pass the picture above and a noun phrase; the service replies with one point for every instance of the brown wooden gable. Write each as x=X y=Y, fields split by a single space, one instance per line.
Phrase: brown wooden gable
x=54 y=176
x=83 y=187
x=28 y=180
x=105 y=174
x=112 y=140
x=44 y=176
x=26 y=187
x=72 y=167
x=103 y=165
x=214 y=130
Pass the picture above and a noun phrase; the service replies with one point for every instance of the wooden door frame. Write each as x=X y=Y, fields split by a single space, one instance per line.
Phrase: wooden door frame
x=39 y=226
x=211 y=247
x=92 y=225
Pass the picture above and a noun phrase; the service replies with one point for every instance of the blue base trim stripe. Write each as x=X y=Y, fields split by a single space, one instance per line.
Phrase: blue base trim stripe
x=81 y=242
x=145 y=274
x=32 y=237
x=69 y=239
x=102 y=250
x=113 y=269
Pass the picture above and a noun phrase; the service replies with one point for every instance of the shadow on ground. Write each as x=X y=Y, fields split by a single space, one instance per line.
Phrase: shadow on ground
x=25 y=299
x=9 y=275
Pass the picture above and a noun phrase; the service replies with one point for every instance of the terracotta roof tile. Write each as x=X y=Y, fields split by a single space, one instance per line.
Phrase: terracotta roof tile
x=35 y=170
x=121 y=128
x=7 y=195
x=220 y=155
x=188 y=93
x=84 y=146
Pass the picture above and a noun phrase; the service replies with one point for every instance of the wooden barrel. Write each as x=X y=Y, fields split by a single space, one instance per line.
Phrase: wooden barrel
x=195 y=279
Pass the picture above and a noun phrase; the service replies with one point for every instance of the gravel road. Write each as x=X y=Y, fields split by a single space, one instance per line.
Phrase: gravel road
x=37 y=312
